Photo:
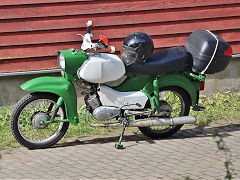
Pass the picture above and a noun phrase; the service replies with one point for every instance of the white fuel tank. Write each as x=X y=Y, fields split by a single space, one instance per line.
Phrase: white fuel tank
x=102 y=68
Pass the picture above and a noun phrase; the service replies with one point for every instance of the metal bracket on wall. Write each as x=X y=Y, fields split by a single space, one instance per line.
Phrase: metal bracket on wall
x=30 y=72
x=234 y=56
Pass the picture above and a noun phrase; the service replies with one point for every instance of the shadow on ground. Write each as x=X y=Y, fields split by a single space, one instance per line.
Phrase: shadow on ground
x=196 y=132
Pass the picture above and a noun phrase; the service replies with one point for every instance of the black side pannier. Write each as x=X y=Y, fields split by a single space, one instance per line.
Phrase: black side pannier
x=210 y=53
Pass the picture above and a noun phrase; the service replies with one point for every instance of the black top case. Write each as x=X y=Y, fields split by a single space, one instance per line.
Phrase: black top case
x=208 y=52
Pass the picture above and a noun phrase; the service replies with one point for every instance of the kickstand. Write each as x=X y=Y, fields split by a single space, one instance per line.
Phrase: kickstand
x=119 y=145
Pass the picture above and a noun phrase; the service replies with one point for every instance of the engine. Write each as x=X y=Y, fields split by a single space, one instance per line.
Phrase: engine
x=101 y=113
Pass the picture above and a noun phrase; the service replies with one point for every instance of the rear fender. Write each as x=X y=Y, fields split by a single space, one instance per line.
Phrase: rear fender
x=59 y=86
x=181 y=80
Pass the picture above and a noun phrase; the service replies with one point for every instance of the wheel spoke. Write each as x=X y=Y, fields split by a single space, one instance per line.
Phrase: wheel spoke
x=50 y=107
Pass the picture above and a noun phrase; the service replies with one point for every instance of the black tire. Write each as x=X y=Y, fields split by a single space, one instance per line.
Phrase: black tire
x=21 y=124
x=170 y=130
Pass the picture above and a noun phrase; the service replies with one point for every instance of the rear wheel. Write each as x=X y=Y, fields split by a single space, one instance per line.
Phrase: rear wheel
x=175 y=101
x=27 y=118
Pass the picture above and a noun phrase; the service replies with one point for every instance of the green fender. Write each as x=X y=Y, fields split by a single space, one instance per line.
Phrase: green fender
x=60 y=86
x=181 y=80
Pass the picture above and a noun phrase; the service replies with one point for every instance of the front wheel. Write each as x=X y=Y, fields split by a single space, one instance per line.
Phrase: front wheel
x=175 y=101
x=27 y=118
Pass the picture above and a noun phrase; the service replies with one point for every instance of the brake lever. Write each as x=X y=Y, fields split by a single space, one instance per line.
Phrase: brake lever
x=103 y=44
x=100 y=46
x=80 y=35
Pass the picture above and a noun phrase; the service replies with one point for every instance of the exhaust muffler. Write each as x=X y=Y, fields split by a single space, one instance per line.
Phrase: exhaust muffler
x=163 y=121
x=148 y=122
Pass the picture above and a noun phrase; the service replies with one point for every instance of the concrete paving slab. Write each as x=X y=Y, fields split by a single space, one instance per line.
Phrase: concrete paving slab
x=190 y=153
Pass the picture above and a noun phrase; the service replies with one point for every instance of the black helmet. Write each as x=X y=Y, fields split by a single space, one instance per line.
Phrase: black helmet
x=137 y=47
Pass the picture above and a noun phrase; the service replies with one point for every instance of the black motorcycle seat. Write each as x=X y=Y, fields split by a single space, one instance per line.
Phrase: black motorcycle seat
x=167 y=60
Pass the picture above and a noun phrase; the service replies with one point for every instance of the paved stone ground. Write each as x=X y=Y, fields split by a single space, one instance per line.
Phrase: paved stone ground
x=192 y=153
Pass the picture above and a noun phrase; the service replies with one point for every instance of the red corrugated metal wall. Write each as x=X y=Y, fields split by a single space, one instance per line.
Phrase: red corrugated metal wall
x=32 y=31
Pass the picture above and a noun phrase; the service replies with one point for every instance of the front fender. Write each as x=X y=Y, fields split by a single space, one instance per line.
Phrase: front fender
x=60 y=86
x=181 y=80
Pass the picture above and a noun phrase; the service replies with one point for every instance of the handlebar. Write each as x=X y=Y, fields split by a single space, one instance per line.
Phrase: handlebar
x=87 y=41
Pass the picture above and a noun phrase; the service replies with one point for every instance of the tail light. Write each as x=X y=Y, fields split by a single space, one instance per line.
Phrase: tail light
x=228 y=52
x=202 y=85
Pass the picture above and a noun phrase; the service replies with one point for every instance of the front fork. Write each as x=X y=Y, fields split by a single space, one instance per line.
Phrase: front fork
x=59 y=103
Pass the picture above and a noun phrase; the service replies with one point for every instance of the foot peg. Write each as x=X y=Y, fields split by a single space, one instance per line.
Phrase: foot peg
x=198 y=108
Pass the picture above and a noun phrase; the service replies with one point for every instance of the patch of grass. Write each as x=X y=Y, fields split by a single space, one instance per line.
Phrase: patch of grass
x=6 y=139
x=221 y=108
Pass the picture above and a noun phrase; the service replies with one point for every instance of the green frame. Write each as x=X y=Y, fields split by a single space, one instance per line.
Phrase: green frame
x=150 y=85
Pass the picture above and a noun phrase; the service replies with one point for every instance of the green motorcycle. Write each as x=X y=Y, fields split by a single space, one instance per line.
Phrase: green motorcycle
x=151 y=91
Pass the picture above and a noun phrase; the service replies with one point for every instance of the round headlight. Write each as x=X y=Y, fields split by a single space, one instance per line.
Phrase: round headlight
x=61 y=61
